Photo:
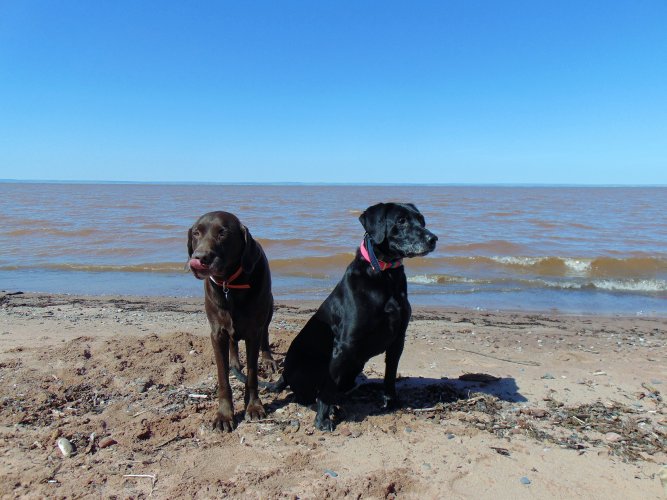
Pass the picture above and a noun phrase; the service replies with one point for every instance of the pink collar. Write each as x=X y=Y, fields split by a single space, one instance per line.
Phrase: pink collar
x=383 y=266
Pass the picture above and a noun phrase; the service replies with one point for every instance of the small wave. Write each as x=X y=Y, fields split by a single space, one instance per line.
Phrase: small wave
x=636 y=286
x=423 y=279
x=547 y=266
x=630 y=286
x=578 y=265
x=598 y=267
x=308 y=274
x=651 y=286
x=517 y=261
x=440 y=279
x=157 y=267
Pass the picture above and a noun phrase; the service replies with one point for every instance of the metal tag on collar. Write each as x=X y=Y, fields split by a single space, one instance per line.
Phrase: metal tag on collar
x=223 y=285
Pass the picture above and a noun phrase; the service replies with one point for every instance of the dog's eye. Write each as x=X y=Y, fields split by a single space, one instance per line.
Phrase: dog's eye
x=401 y=220
x=196 y=233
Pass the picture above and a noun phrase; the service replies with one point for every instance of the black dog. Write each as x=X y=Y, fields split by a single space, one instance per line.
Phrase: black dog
x=366 y=314
x=239 y=305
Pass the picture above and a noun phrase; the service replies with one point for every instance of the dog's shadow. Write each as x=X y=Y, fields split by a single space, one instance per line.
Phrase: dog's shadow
x=418 y=393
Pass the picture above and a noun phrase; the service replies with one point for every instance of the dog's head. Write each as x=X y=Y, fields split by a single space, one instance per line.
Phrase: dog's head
x=218 y=244
x=397 y=230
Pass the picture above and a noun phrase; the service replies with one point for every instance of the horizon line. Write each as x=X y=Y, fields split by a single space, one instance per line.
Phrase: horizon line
x=332 y=184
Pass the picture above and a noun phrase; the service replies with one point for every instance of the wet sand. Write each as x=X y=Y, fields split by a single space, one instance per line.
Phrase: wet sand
x=495 y=405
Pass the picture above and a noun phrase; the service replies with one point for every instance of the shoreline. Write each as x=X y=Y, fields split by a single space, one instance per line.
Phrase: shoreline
x=473 y=302
x=556 y=403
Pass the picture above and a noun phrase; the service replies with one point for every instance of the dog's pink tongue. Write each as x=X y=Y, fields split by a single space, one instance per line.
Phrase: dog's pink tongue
x=197 y=265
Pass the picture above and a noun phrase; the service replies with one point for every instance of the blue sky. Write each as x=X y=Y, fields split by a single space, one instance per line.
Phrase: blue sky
x=285 y=91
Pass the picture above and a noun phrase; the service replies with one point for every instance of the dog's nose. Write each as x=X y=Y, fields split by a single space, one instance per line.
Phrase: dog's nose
x=203 y=257
x=431 y=239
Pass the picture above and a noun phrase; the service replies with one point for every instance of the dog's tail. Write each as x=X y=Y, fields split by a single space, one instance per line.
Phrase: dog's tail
x=276 y=386
x=238 y=374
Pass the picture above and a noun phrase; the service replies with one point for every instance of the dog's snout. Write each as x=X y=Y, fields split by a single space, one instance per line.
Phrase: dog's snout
x=203 y=257
x=431 y=238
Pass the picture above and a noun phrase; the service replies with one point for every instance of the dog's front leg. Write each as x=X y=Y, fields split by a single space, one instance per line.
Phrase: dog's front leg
x=224 y=419
x=323 y=418
x=266 y=359
x=234 y=362
x=325 y=405
x=254 y=408
x=393 y=354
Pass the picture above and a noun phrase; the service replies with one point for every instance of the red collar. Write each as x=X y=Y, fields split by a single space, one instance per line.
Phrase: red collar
x=374 y=261
x=227 y=284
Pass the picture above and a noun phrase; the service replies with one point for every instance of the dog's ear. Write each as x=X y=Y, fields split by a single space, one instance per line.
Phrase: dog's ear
x=187 y=263
x=374 y=220
x=251 y=253
x=412 y=205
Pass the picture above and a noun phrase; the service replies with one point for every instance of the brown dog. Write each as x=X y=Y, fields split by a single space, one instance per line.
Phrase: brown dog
x=239 y=305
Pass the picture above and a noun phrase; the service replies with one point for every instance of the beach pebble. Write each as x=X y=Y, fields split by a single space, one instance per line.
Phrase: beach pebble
x=345 y=431
x=65 y=447
x=534 y=412
x=143 y=384
x=612 y=437
x=548 y=376
x=106 y=442
x=330 y=473
x=525 y=480
x=91 y=442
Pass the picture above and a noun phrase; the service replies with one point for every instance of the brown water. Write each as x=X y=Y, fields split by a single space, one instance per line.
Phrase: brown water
x=575 y=249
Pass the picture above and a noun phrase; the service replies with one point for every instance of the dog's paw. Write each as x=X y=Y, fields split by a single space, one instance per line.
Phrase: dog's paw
x=390 y=402
x=255 y=411
x=325 y=425
x=268 y=363
x=224 y=423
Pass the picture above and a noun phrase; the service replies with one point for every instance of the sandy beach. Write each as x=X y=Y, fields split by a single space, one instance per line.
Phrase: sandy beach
x=495 y=405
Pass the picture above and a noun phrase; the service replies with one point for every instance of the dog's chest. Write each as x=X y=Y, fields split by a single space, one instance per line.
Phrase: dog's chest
x=395 y=311
x=227 y=323
x=390 y=322
x=221 y=320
